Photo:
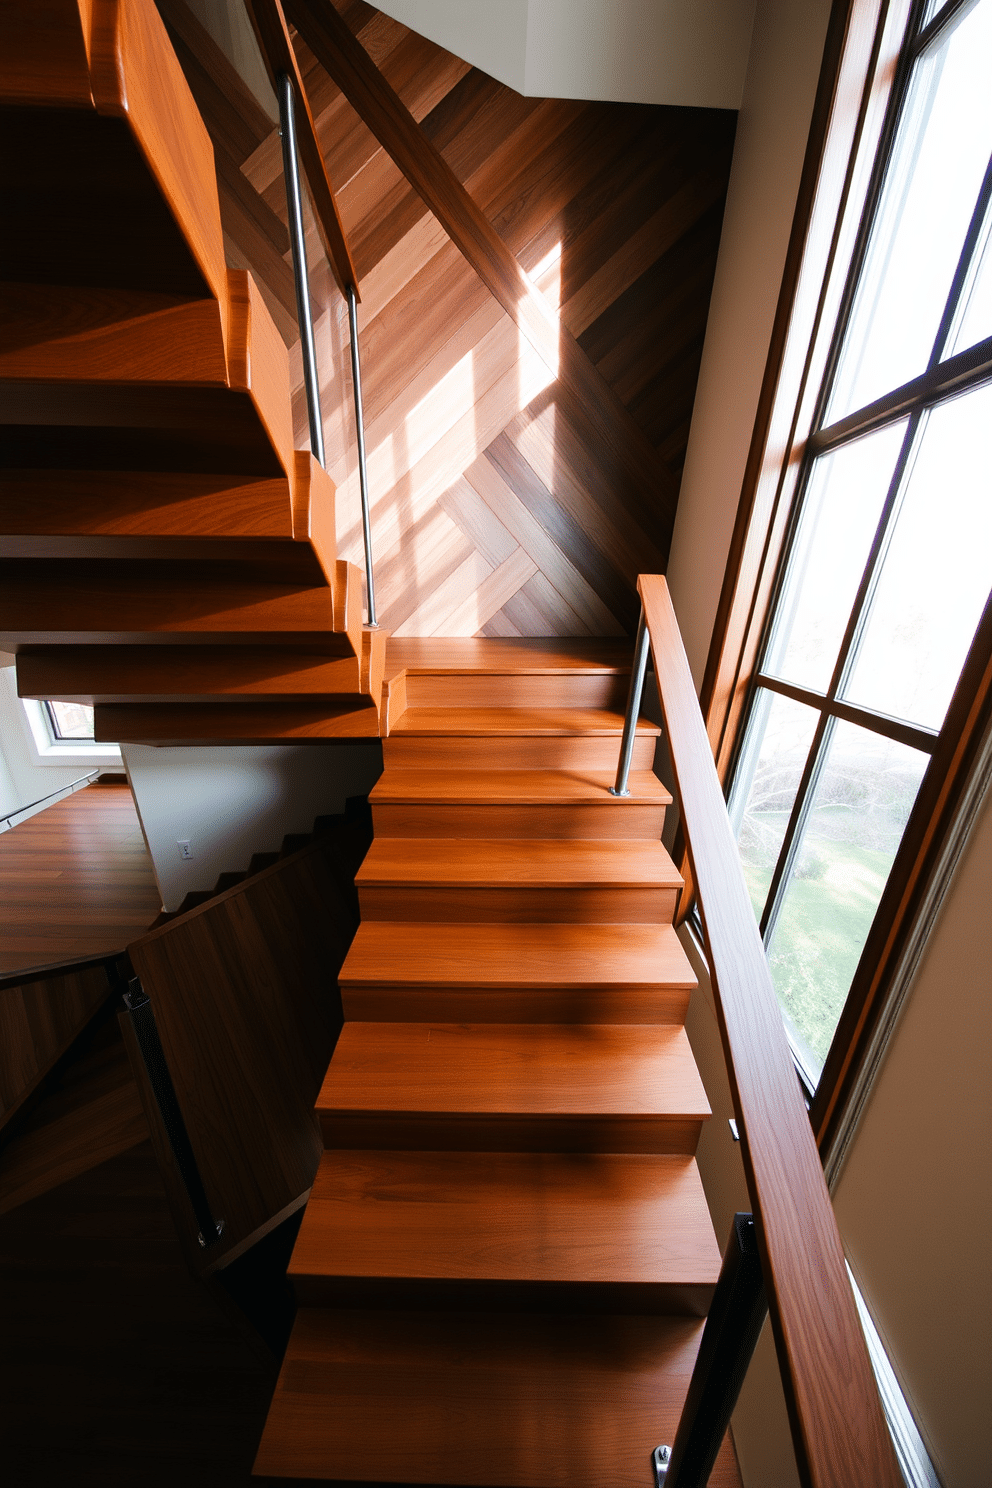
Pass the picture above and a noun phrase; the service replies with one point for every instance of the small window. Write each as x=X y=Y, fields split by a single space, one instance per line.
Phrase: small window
x=69 y=720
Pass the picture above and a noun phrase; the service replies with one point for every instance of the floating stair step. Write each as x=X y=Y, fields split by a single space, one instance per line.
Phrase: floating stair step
x=549 y=1231
x=183 y=674
x=513 y=739
x=235 y=723
x=483 y=880
x=128 y=195
x=513 y=1087
x=404 y=971
x=524 y=1401
x=122 y=603
x=65 y=332
x=521 y=803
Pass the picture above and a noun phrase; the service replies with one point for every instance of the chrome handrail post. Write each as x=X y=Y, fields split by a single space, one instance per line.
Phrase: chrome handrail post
x=363 y=475
x=638 y=671
x=294 y=200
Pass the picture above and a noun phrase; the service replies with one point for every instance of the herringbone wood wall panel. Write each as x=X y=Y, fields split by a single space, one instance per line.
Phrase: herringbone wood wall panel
x=493 y=511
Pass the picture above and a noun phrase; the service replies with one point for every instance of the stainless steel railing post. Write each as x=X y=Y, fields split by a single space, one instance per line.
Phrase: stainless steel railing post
x=291 y=170
x=363 y=475
x=638 y=671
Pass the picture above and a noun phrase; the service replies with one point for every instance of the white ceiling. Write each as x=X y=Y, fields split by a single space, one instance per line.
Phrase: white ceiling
x=688 y=52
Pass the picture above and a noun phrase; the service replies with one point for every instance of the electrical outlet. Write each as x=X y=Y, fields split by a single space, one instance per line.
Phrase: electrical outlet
x=185 y=851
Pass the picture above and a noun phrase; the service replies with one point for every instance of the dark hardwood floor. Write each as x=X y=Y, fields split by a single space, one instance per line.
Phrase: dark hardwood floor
x=118 y=1368
x=75 y=881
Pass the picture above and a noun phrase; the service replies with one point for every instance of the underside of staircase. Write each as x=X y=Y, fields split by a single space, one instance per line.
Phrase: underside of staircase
x=507 y=1255
x=165 y=553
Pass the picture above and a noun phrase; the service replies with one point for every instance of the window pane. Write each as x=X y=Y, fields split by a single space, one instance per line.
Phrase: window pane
x=840 y=516
x=765 y=783
x=973 y=321
x=71 y=720
x=939 y=159
x=937 y=572
x=859 y=811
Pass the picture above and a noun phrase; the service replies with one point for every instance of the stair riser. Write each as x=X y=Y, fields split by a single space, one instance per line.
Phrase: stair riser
x=393 y=1004
x=515 y=1005
x=567 y=690
x=608 y=821
x=559 y=905
x=402 y=1295
x=520 y=752
x=410 y=1132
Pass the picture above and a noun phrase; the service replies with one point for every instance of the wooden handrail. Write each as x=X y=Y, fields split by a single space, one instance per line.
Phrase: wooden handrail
x=277 y=53
x=838 y=1424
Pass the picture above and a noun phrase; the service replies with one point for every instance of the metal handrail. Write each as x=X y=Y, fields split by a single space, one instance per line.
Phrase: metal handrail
x=51 y=794
x=838 y=1423
x=286 y=92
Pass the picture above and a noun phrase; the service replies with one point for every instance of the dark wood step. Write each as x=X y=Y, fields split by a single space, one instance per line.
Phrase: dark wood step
x=525 y=1401
x=401 y=971
x=513 y=1087
x=544 y=1231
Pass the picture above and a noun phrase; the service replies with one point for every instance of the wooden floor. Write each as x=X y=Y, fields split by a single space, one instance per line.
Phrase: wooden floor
x=75 y=881
x=118 y=1368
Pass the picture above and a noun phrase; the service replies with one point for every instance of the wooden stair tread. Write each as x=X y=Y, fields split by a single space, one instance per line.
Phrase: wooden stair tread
x=466 y=862
x=480 y=722
x=519 y=654
x=409 y=953
x=525 y=1401
x=524 y=1216
x=524 y=787
x=514 y=1069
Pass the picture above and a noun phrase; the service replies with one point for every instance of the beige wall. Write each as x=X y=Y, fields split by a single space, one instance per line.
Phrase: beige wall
x=633 y=51
x=914 y=1199
x=772 y=129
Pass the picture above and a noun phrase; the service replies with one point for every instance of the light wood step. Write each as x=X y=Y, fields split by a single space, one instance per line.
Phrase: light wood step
x=541 y=690
x=483 y=880
x=521 y=803
x=525 y=1401
x=513 y=1087
x=546 y=1231
x=513 y=739
x=404 y=971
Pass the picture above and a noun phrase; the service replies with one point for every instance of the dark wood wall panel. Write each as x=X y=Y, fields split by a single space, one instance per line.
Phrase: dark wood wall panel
x=493 y=512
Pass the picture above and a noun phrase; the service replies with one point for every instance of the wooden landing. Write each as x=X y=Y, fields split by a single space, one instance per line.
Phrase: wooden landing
x=75 y=881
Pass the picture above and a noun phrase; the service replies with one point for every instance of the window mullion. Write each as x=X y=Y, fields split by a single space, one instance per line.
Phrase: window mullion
x=797 y=820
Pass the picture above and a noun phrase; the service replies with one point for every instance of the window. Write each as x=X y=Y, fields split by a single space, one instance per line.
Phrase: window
x=69 y=720
x=880 y=601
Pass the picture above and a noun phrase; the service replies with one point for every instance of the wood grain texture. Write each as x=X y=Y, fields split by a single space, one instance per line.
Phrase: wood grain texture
x=95 y=1115
x=421 y=1397
x=76 y=881
x=244 y=997
x=277 y=52
x=839 y=1428
x=611 y=1231
x=39 y=1018
x=607 y=212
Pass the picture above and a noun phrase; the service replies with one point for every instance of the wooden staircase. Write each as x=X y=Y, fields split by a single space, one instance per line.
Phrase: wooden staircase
x=507 y=1253
x=165 y=553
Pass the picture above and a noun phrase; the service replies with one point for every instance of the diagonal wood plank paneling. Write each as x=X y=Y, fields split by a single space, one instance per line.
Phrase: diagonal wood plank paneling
x=493 y=510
